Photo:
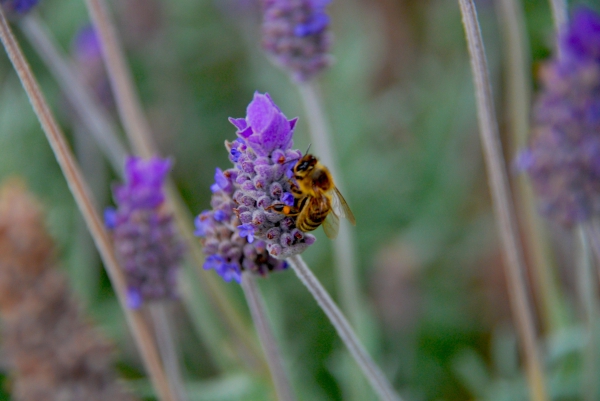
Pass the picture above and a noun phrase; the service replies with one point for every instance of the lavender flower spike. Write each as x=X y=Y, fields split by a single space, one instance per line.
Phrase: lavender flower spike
x=563 y=158
x=295 y=33
x=18 y=7
x=144 y=233
x=239 y=230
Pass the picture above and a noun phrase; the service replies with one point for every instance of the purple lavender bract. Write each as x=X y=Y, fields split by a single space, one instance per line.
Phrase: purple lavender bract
x=295 y=33
x=239 y=231
x=563 y=159
x=144 y=234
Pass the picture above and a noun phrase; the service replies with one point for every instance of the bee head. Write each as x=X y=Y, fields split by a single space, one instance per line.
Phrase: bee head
x=305 y=164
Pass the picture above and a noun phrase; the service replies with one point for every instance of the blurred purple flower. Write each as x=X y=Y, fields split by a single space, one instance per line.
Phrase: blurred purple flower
x=563 y=157
x=144 y=233
x=581 y=39
x=295 y=33
x=18 y=7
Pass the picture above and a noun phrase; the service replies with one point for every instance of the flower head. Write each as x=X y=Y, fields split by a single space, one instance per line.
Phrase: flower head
x=241 y=232
x=295 y=33
x=563 y=158
x=144 y=233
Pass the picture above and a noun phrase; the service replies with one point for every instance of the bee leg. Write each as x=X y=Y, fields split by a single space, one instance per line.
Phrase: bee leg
x=295 y=190
x=284 y=209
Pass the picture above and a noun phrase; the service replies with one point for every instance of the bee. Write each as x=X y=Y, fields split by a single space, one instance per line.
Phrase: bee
x=316 y=198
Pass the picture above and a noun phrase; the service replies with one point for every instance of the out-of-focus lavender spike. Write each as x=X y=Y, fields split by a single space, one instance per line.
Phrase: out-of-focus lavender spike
x=296 y=34
x=563 y=158
x=53 y=353
x=144 y=234
x=87 y=56
x=17 y=8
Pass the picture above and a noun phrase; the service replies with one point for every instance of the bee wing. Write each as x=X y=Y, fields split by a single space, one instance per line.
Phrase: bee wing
x=331 y=225
x=340 y=207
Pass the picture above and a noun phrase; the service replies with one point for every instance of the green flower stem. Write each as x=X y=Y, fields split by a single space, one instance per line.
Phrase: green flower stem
x=517 y=66
x=138 y=131
x=163 y=326
x=267 y=338
x=344 y=249
x=559 y=13
x=139 y=328
x=371 y=371
x=589 y=300
x=345 y=259
x=502 y=202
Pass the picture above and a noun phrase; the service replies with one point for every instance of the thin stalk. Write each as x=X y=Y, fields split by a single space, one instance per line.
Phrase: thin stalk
x=371 y=371
x=267 y=338
x=345 y=259
x=121 y=82
x=211 y=284
x=517 y=66
x=100 y=125
x=559 y=13
x=167 y=346
x=588 y=293
x=593 y=233
x=138 y=131
x=505 y=216
x=95 y=171
x=344 y=255
x=140 y=330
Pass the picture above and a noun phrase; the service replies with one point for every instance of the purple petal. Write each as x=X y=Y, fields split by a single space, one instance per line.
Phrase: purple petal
x=134 y=298
x=288 y=199
x=260 y=112
x=110 y=218
x=239 y=123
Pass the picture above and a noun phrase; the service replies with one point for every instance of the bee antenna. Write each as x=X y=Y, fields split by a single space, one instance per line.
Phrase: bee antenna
x=307 y=149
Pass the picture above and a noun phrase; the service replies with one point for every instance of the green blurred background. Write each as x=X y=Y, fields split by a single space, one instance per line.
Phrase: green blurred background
x=400 y=102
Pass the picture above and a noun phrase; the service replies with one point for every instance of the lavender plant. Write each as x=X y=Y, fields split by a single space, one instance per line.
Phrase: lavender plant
x=413 y=192
x=262 y=156
x=144 y=234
